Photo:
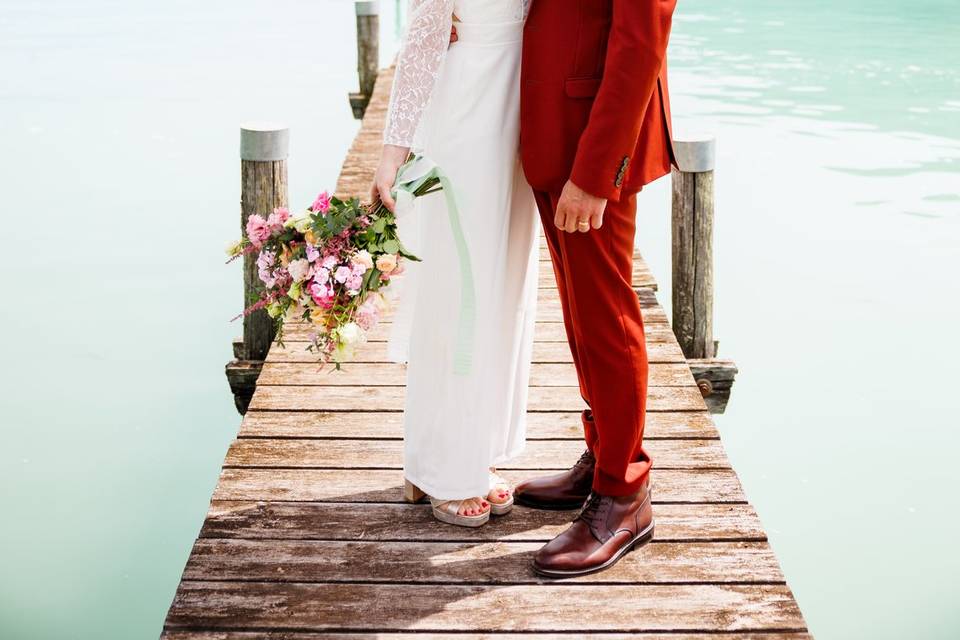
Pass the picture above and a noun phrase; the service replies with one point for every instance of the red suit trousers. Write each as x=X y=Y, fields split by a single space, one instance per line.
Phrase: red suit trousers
x=601 y=314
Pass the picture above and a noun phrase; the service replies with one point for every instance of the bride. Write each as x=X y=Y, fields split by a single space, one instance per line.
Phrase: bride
x=458 y=104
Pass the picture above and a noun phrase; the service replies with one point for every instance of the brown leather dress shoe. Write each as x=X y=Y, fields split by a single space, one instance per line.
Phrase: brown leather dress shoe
x=606 y=529
x=566 y=490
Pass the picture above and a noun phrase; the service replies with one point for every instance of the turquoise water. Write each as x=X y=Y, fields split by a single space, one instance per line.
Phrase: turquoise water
x=838 y=245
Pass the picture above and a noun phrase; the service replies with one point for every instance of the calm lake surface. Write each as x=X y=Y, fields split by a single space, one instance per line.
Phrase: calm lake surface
x=838 y=246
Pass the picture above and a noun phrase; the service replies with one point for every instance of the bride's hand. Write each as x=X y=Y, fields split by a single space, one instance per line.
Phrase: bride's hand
x=391 y=159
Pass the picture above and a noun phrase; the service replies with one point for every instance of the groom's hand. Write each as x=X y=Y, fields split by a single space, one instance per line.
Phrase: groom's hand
x=579 y=210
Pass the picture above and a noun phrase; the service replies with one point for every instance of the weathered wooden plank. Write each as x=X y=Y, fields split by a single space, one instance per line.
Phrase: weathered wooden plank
x=543 y=352
x=544 y=331
x=382 y=424
x=548 y=607
x=388 y=454
x=364 y=635
x=383 y=485
x=495 y=562
x=357 y=398
x=356 y=174
x=334 y=521
x=673 y=374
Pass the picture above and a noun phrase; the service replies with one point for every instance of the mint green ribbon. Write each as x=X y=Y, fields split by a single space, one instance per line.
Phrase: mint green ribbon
x=411 y=177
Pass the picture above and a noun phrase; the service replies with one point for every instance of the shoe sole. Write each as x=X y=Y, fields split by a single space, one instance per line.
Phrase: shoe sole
x=461 y=521
x=501 y=509
x=639 y=540
x=549 y=506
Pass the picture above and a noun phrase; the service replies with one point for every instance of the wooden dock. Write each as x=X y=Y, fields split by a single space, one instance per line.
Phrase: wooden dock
x=307 y=536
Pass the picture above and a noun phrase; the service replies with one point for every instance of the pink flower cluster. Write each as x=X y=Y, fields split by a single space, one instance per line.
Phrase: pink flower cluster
x=260 y=230
x=333 y=282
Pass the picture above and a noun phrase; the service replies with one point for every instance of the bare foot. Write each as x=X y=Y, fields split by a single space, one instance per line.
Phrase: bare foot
x=473 y=507
x=501 y=492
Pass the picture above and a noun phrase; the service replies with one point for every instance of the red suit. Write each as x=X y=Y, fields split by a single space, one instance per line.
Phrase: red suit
x=595 y=110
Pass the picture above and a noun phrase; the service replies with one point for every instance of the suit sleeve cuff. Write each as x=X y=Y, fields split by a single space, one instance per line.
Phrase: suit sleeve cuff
x=598 y=181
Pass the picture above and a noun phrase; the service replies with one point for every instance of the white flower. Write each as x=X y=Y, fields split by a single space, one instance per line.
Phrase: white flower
x=351 y=334
x=298 y=270
x=348 y=337
x=298 y=220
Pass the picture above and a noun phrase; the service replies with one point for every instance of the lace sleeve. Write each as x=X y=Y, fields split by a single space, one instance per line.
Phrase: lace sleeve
x=418 y=65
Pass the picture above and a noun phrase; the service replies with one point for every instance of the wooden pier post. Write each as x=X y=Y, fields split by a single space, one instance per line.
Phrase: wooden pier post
x=368 y=54
x=263 y=175
x=693 y=246
x=693 y=207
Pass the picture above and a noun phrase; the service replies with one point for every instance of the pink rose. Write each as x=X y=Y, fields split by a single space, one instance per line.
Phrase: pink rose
x=321 y=276
x=329 y=262
x=277 y=218
x=258 y=231
x=322 y=203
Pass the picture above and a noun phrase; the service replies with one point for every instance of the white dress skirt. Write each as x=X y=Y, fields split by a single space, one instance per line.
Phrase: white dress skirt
x=458 y=425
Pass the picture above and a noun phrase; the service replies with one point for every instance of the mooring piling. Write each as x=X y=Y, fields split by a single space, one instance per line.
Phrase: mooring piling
x=368 y=54
x=263 y=187
x=693 y=287
x=692 y=226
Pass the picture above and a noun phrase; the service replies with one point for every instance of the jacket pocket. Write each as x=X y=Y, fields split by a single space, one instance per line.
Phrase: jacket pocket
x=582 y=87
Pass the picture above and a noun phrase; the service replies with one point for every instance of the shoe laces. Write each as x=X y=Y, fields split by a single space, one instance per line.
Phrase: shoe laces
x=594 y=512
x=585 y=458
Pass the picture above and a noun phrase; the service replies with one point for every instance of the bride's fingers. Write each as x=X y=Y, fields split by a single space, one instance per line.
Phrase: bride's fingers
x=384 y=191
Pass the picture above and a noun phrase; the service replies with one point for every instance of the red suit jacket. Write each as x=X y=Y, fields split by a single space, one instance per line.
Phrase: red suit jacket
x=594 y=101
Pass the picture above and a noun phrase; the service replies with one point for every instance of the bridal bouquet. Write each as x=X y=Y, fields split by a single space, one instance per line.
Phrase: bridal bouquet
x=328 y=266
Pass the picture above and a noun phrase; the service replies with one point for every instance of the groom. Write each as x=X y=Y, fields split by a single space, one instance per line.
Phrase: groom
x=595 y=128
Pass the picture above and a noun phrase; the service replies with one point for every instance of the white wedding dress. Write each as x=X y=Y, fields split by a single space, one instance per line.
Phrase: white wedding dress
x=459 y=105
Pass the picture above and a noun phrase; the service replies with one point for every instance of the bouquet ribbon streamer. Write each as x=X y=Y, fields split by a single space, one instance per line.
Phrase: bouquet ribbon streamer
x=412 y=176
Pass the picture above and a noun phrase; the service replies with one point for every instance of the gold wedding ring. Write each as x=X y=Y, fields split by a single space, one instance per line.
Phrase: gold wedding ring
x=583 y=225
